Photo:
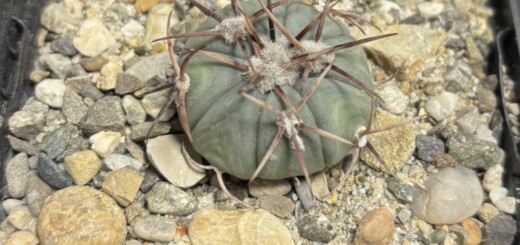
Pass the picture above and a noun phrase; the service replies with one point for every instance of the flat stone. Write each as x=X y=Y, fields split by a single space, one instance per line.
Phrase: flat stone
x=150 y=178
x=165 y=154
x=60 y=17
x=441 y=106
x=375 y=228
x=22 y=238
x=451 y=195
x=151 y=66
x=36 y=193
x=28 y=122
x=127 y=83
x=59 y=64
x=156 y=228
x=309 y=228
x=23 y=219
x=91 y=64
x=122 y=184
x=63 y=46
x=245 y=226
x=395 y=153
x=50 y=92
x=73 y=107
x=319 y=185
x=154 y=102
x=487 y=212
x=16 y=171
x=55 y=142
x=135 y=113
x=429 y=147
x=165 y=198
x=105 y=142
x=493 y=177
x=261 y=187
x=139 y=131
x=474 y=153
x=278 y=205
x=82 y=166
x=105 y=115
x=81 y=215
x=394 y=100
x=51 y=173
x=116 y=161
x=500 y=230
x=93 y=38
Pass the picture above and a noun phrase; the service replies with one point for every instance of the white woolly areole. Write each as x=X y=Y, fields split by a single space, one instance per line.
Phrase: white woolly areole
x=232 y=28
x=310 y=46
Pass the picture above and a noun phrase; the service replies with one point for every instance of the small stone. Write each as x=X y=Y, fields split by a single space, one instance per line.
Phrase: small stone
x=500 y=230
x=11 y=205
x=474 y=234
x=394 y=100
x=93 y=38
x=116 y=161
x=133 y=211
x=430 y=9
x=28 y=122
x=73 y=107
x=135 y=113
x=75 y=83
x=165 y=198
x=278 y=205
x=261 y=187
x=109 y=74
x=135 y=150
x=105 y=142
x=484 y=133
x=82 y=166
x=127 y=83
x=468 y=119
x=474 y=54
x=474 y=153
x=245 y=226
x=55 y=142
x=405 y=215
x=157 y=23
x=75 y=70
x=90 y=91
x=50 y=92
x=151 y=66
x=376 y=228
x=487 y=212
x=319 y=185
x=166 y=156
x=38 y=75
x=395 y=153
x=63 y=46
x=506 y=205
x=36 y=193
x=133 y=31
x=309 y=228
x=22 y=238
x=93 y=63
x=16 y=171
x=23 y=219
x=438 y=236
x=156 y=228
x=144 y=5
x=122 y=185
x=51 y=173
x=493 y=177
x=150 y=178
x=441 y=106
x=59 y=64
x=445 y=161
x=59 y=18
x=154 y=102
x=429 y=147
x=487 y=100
x=451 y=195
x=140 y=131
x=497 y=194
x=513 y=108
x=402 y=191
x=105 y=115
x=64 y=218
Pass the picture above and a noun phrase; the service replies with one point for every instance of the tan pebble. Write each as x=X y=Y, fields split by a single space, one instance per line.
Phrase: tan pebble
x=122 y=184
x=376 y=228
x=93 y=63
x=144 y=5
x=22 y=219
x=473 y=230
x=22 y=238
x=445 y=161
x=82 y=166
x=487 y=212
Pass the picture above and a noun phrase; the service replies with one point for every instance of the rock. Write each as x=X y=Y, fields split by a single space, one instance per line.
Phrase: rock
x=89 y=91
x=144 y=5
x=445 y=161
x=157 y=23
x=38 y=75
x=93 y=38
x=513 y=108
x=429 y=147
x=73 y=107
x=105 y=115
x=261 y=187
x=309 y=228
x=487 y=100
x=150 y=178
x=430 y=9
x=394 y=100
x=395 y=153
x=402 y=191
x=127 y=83
x=105 y=142
x=82 y=166
x=16 y=173
x=75 y=83
x=468 y=119
x=493 y=177
x=151 y=66
x=122 y=184
x=109 y=74
x=11 y=205
x=484 y=133
x=474 y=153
x=165 y=154
x=61 y=17
x=497 y=194
x=135 y=150
x=55 y=142
x=4 y=236
x=23 y=219
x=459 y=77
x=245 y=226
x=140 y=131
x=63 y=46
x=135 y=113
x=475 y=56
x=438 y=236
x=405 y=215
x=23 y=146
x=22 y=238
x=36 y=193
x=441 y=106
x=81 y=215
x=156 y=228
x=116 y=161
x=133 y=32
x=50 y=92
x=28 y=122
x=451 y=195
x=151 y=85
x=319 y=185
x=500 y=230
x=487 y=212
x=165 y=198
x=93 y=63
x=75 y=70
x=51 y=173
x=154 y=102
x=474 y=236
x=278 y=205
x=506 y=205
x=59 y=64
x=375 y=228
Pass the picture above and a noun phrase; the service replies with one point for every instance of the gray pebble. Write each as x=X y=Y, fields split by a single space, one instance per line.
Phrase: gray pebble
x=52 y=174
x=500 y=230
x=63 y=46
x=429 y=147
x=105 y=115
x=151 y=66
x=468 y=120
x=150 y=178
x=36 y=193
x=75 y=83
x=90 y=91
x=127 y=83
x=16 y=172
x=304 y=193
x=73 y=107
x=403 y=192
x=165 y=198
x=23 y=146
x=405 y=215
x=55 y=142
x=139 y=131
x=487 y=100
x=28 y=122
x=278 y=205
x=57 y=63
x=309 y=228
x=75 y=70
x=474 y=153
x=93 y=63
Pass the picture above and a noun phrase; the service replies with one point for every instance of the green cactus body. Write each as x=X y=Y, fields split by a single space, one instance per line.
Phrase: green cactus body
x=233 y=134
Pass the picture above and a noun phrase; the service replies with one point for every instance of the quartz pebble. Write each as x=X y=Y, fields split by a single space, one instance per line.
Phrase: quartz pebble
x=61 y=17
x=122 y=185
x=497 y=194
x=50 y=92
x=165 y=198
x=493 y=177
x=116 y=161
x=441 y=106
x=82 y=166
x=105 y=142
x=17 y=170
x=506 y=205
x=156 y=228
x=93 y=38
x=376 y=228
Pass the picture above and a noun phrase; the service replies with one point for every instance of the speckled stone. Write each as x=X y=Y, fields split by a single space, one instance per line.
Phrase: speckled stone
x=376 y=228
x=82 y=166
x=500 y=230
x=63 y=46
x=474 y=153
x=309 y=228
x=55 y=142
x=122 y=185
x=23 y=146
x=115 y=161
x=28 y=122
x=61 y=17
x=487 y=100
x=156 y=228
x=151 y=66
x=16 y=173
x=73 y=107
x=165 y=198
x=394 y=100
x=429 y=147
x=81 y=215
x=127 y=83
x=105 y=115
x=487 y=212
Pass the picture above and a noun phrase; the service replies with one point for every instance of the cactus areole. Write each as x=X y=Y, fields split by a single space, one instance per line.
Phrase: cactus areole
x=233 y=133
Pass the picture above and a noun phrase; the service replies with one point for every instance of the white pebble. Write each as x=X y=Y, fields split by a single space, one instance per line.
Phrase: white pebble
x=93 y=38
x=493 y=177
x=50 y=92
x=506 y=205
x=497 y=194
x=441 y=106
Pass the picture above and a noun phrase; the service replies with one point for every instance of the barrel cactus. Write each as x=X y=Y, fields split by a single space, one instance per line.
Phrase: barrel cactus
x=273 y=90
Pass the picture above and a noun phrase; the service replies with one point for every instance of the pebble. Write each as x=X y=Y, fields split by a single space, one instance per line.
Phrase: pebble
x=135 y=150
x=500 y=230
x=261 y=187
x=51 y=173
x=55 y=142
x=405 y=215
x=63 y=46
x=50 y=92
x=245 y=226
x=59 y=18
x=376 y=228
x=23 y=219
x=22 y=238
x=165 y=198
x=156 y=228
x=445 y=161
x=133 y=32
x=75 y=83
x=4 y=236
x=11 y=205
x=493 y=177
x=438 y=236
x=441 y=106
x=135 y=113
x=430 y=9
x=127 y=83
x=105 y=142
x=394 y=100
x=75 y=70
x=474 y=153
x=109 y=74
x=513 y=108
x=82 y=166
x=487 y=101
x=150 y=178
x=506 y=205
x=487 y=212
x=278 y=205
x=402 y=191
x=151 y=66
x=468 y=120
x=429 y=147
x=309 y=228
x=144 y=5
x=90 y=91
x=93 y=38
x=36 y=193
x=153 y=103
x=473 y=231
x=395 y=153
x=73 y=107
x=157 y=23
x=497 y=194
x=122 y=184
x=67 y=218
x=451 y=195
x=116 y=161
x=28 y=122
x=140 y=131
x=165 y=154
x=38 y=75
x=92 y=64
x=319 y=185
x=105 y=115
x=16 y=173
x=59 y=64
